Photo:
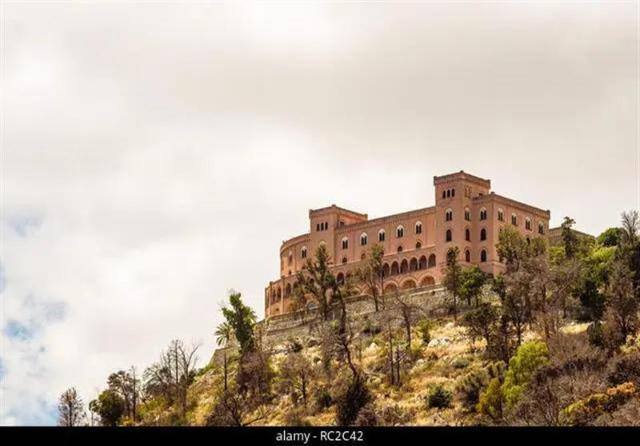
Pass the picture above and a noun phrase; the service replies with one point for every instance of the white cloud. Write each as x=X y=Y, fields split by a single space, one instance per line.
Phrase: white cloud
x=155 y=156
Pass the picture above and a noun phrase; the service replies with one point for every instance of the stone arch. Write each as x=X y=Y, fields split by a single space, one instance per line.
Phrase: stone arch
x=427 y=281
x=408 y=284
x=390 y=287
x=404 y=266
x=422 y=264
x=394 y=268
x=432 y=261
x=413 y=264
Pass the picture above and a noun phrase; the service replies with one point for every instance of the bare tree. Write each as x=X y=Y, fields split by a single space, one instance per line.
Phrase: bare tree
x=70 y=408
x=174 y=372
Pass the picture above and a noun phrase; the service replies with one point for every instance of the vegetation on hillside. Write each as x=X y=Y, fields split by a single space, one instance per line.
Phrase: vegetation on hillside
x=553 y=341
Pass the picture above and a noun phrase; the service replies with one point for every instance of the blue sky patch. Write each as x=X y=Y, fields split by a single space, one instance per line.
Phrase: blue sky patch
x=17 y=330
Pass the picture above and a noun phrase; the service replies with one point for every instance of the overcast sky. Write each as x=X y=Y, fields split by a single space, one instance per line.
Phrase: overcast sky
x=154 y=156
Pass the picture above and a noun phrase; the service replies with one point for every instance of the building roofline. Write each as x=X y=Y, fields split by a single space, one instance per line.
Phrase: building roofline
x=333 y=207
x=494 y=196
x=385 y=218
x=462 y=174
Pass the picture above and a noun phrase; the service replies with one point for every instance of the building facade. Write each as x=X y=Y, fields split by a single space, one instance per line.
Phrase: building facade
x=467 y=214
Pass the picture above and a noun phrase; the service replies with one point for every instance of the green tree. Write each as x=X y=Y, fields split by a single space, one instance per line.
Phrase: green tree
x=110 y=407
x=242 y=320
x=511 y=248
x=471 y=282
x=528 y=358
x=569 y=237
x=70 y=408
x=491 y=399
x=126 y=384
x=610 y=237
x=452 y=277
x=630 y=247
x=622 y=305
x=223 y=335
x=317 y=280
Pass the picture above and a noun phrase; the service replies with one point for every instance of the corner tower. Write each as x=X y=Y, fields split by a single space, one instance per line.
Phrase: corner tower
x=454 y=222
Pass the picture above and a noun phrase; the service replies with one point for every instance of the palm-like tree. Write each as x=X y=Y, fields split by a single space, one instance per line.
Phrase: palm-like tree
x=223 y=336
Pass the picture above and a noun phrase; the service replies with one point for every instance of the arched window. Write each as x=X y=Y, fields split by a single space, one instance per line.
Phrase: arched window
x=394 y=268
x=363 y=256
x=385 y=270
x=432 y=261
x=400 y=231
x=400 y=248
x=500 y=215
x=364 y=239
x=448 y=235
x=413 y=264
x=290 y=258
x=303 y=252
x=279 y=294
x=448 y=215
x=344 y=260
x=483 y=255
x=419 y=227
x=514 y=219
x=418 y=245
x=467 y=214
x=287 y=290
x=404 y=266
x=540 y=228
x=340 y=278
x=444 y=194
x=318 y=227
x=483 y=214
x=483 y=234
x=467 y=235
x=422 y=263
x=345 y=243
x=453 y=192
x=381 y=235
x=448 y=193
x=527 y=224
x=467 y=256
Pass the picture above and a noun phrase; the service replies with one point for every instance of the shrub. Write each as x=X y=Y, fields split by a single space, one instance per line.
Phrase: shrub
x=393 y=415
x=626 y=369
x=424 y=327
x=496 y=370
x=371 y=328
x=584 y=411
x=460 y=363
x=295 y=346
x=490 y=401
x=439 y=397
x=367 y=416
x=295 y=417
x=596 y=335
x=470 y=387
x=350 y=398
x=322 y=398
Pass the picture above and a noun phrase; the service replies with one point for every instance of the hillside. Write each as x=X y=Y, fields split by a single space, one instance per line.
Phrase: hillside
x=553 y=341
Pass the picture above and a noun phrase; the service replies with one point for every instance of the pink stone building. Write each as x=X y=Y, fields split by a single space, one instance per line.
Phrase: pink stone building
x=467 y=214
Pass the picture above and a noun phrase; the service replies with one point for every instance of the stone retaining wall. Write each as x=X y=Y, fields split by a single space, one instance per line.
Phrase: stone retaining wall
x=360 y=309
